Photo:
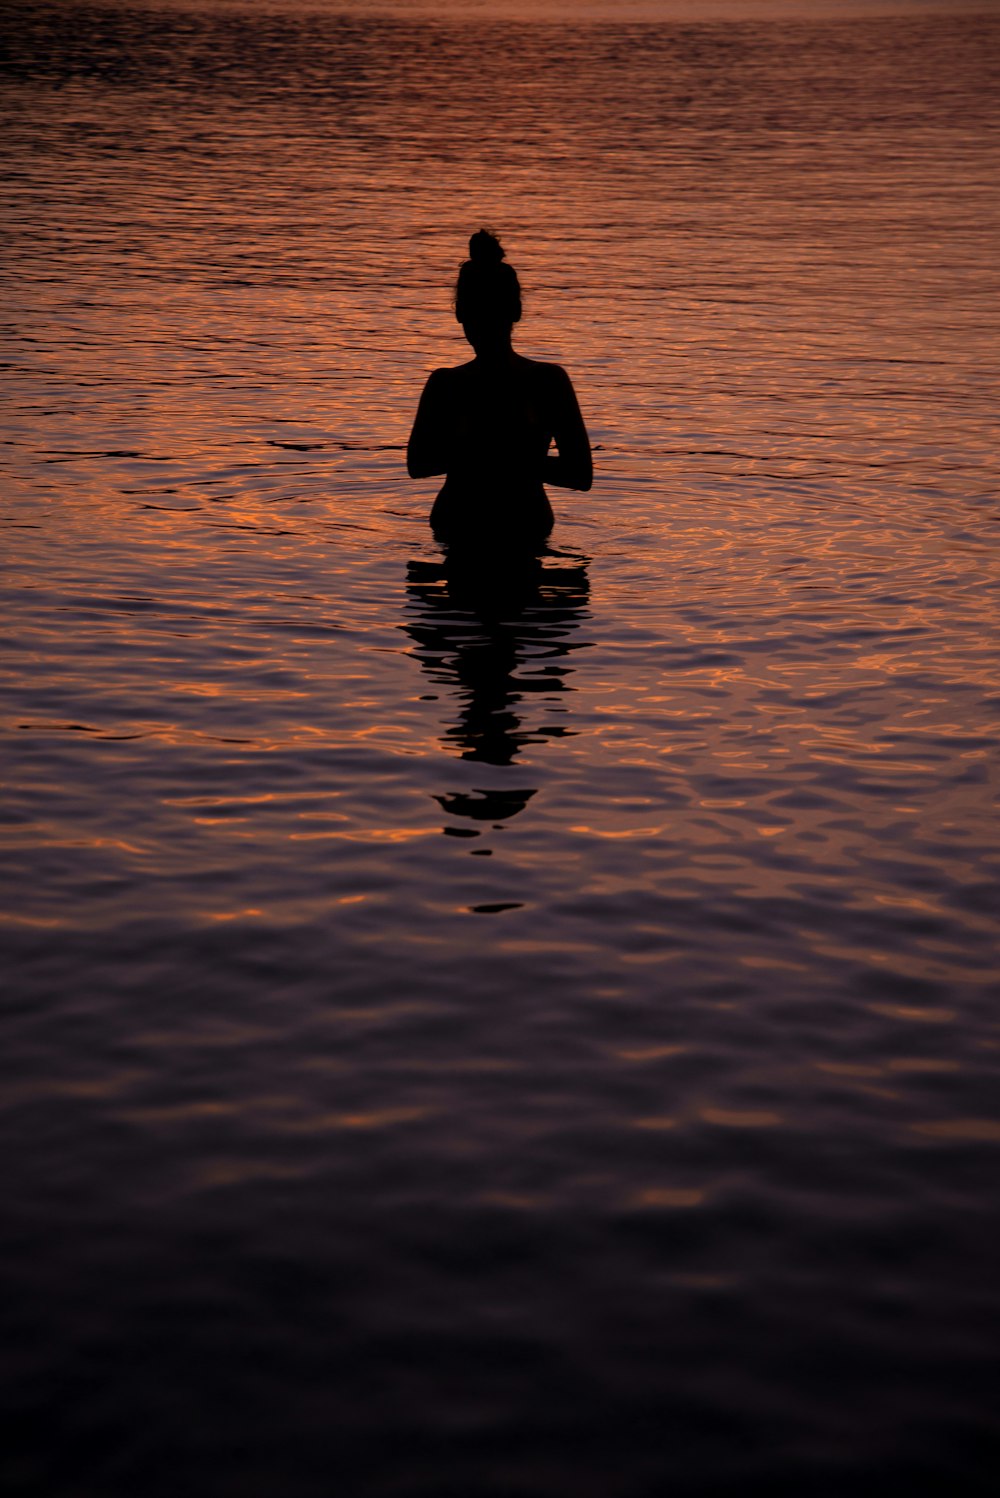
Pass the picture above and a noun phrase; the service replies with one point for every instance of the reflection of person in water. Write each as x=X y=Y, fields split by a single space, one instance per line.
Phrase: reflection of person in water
x=488 y=424
x=500 y=636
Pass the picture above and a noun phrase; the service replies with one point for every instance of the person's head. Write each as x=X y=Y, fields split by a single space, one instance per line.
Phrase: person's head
x=488 y=294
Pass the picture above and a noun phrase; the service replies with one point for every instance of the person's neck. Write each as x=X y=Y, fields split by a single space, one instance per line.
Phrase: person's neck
x=495 y=355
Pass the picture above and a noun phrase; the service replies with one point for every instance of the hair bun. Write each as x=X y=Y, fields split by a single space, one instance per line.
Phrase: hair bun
x=485 y=248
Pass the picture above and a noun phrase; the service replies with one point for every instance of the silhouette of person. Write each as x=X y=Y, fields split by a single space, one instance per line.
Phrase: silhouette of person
x=488 y=425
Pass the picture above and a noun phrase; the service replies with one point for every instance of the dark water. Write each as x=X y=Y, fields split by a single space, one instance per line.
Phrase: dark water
x=521 y=1035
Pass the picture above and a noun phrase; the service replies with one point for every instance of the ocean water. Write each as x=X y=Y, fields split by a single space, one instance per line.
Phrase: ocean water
x=532 y=1036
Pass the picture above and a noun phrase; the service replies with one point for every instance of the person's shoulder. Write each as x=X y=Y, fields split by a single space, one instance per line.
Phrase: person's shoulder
x=547 y=372
x=448 y=374
x=551 y=380
x=442 y=384
x=542 y=366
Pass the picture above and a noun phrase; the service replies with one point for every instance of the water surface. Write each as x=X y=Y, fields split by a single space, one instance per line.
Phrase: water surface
x=528 y=1036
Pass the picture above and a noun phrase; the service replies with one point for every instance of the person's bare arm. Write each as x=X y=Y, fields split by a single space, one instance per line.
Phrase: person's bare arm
x=427 y=451
x=573 y=468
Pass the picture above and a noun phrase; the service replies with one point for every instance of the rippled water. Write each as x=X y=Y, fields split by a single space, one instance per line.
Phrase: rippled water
x=530 y=1037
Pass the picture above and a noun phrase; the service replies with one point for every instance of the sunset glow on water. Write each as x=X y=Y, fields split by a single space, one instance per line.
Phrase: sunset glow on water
x=536 y=1038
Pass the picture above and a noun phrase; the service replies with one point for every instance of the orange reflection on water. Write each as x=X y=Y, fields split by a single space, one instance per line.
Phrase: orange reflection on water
x=669 y=1197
